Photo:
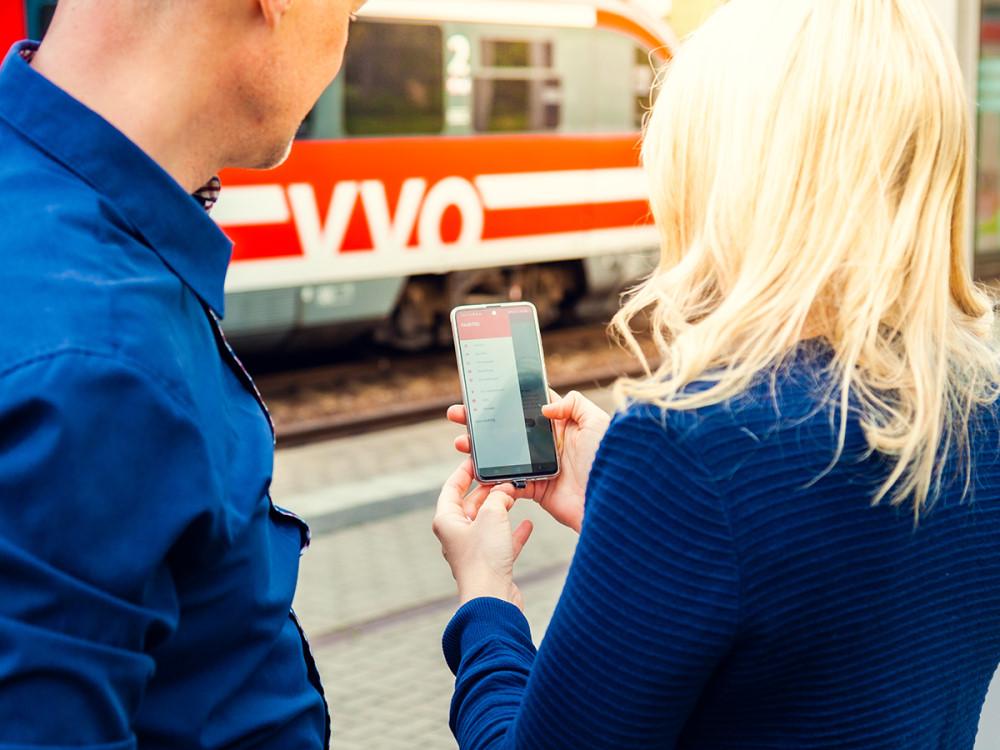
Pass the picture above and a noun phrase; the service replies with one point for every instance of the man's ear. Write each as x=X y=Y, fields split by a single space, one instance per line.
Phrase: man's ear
x=274 y=10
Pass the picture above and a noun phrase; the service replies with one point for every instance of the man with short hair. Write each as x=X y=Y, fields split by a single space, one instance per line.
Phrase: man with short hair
x=146 y=579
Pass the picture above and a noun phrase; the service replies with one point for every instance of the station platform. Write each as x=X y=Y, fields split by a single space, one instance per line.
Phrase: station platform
x=375 y=593
x=358 y=479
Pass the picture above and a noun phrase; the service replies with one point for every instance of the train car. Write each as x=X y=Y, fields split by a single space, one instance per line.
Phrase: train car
x=483 y=149
x=468 y=150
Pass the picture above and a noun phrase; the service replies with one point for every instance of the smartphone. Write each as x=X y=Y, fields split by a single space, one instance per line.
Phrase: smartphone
x=499 y=350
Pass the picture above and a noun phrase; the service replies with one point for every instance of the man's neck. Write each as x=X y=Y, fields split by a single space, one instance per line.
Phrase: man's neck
x=148 y=94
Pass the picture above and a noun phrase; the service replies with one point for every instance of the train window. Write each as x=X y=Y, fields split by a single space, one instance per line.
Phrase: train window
x=39 y=17
x=45 y=17
x=499 y=53
x=393 y=79
x=516 y=87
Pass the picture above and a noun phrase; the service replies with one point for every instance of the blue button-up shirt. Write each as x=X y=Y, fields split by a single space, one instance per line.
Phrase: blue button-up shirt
x=146 y=579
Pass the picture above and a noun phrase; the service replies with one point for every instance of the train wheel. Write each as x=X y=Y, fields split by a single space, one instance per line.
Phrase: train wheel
x=547 y=287
x=415 y=321
x=481 y=286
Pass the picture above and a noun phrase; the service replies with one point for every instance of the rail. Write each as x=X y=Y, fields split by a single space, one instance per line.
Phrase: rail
x=383 y=392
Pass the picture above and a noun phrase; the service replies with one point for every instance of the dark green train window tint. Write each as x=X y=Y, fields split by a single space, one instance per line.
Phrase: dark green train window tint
x=517 y=105
x=39 y=17
x=393 y=79
x=516 y=88
x=45 y=17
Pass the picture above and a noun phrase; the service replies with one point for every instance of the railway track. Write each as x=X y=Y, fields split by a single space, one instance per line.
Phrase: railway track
x=389 y=390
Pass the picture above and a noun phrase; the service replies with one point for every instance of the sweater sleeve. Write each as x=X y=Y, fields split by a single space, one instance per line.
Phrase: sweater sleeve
x=649 y=609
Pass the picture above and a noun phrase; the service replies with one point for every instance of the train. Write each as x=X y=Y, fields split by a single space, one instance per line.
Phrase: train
x=468 y=151
x=483 y=150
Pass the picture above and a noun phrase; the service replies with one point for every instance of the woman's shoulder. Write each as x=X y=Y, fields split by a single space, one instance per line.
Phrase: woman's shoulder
x=789 y=415
x=798 y=389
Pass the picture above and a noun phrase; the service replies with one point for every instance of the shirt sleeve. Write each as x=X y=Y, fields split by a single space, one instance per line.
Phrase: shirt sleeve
x=649 y=609
x=102 y=472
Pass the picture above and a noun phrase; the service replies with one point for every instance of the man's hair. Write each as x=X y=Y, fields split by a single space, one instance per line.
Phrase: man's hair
x=808 y=163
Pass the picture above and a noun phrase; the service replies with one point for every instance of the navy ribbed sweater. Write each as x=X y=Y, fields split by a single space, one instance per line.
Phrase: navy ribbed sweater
x=732 y=589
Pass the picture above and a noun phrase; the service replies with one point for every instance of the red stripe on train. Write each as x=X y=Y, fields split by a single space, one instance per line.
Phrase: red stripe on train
x=392 y=161
x=13 y=23
x=326 y=162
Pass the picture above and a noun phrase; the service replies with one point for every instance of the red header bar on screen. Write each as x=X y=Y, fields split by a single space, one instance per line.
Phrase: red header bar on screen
x=482 y=324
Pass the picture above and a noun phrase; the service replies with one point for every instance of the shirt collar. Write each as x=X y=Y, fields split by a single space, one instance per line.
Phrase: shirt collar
x=208 y=193
x=171 y=222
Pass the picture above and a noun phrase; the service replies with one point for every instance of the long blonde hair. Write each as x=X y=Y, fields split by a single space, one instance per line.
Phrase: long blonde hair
x=807 y=162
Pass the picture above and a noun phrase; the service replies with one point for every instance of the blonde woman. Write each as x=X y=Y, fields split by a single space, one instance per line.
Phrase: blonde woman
x=792 y=528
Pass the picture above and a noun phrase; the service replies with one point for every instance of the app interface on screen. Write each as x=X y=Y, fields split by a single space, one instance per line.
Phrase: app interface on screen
x=502 y=367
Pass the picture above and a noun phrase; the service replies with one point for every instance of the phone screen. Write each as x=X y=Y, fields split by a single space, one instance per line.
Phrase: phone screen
x=500 y=356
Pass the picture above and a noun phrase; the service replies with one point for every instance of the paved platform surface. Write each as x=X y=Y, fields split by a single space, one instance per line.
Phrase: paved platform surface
x=375 y=594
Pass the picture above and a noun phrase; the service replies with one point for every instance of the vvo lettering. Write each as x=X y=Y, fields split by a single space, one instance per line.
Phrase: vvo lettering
x=417 y=207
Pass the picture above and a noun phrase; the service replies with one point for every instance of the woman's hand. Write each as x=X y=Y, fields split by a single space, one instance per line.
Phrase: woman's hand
x=476 y=537
x=579 y=425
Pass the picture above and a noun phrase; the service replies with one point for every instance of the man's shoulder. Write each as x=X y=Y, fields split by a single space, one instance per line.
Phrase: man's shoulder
x=32 y=180
x=75 y=278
